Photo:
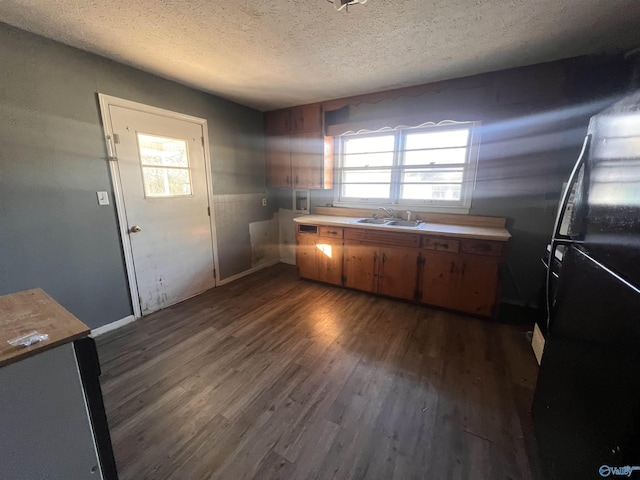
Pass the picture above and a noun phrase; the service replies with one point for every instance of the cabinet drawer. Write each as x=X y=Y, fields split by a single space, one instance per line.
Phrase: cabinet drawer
x=482 y=247
x=306 y=229
x=376 y=236
x=442 y=244
x=333 y=232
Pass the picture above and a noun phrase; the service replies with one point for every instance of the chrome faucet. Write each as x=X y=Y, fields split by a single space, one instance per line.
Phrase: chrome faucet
x=389 y=211
x=408 y=212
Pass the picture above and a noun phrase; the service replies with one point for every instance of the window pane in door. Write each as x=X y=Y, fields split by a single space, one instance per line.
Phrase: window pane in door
x=165 y=166
x=166 y=182
x=167 y=152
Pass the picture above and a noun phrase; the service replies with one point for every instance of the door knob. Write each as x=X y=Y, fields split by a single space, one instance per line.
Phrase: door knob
x=135 y=229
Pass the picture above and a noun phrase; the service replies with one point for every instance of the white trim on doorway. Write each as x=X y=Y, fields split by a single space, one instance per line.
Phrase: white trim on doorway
x=105 y=102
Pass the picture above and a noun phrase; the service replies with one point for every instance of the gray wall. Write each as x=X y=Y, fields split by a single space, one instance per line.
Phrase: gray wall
x=53 y=234
x=533 y=123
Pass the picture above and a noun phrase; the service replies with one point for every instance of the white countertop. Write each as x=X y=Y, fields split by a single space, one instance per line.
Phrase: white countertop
x=446 y=230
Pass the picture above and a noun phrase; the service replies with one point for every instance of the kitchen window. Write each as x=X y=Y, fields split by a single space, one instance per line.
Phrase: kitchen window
x=426 y=168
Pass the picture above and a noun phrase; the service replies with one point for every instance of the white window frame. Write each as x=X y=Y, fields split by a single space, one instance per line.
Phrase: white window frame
x=461 y=206
x=164 y=167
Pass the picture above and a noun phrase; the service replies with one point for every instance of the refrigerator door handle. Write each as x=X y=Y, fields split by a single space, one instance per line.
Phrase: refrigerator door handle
x=558 y=238
x=567 y=193
x=549 y=293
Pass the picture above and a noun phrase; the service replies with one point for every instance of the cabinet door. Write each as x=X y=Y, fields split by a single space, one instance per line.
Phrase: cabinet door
x=329 y=259
x=361 y=267
x=306 y=259
x=307 y=118
x=439 y=280
x=277 y=122
x=307 y=156
x=278 y=161
x=398 y=276
x=479 y=279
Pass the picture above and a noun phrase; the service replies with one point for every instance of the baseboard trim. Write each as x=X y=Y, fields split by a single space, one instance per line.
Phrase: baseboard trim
x=238 y=276
x=96 y=332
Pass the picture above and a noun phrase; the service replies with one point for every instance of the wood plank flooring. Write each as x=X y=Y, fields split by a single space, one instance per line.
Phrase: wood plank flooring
x=273 y=377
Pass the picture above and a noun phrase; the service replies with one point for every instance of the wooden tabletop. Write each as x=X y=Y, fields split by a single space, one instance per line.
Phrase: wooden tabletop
x=23 y=312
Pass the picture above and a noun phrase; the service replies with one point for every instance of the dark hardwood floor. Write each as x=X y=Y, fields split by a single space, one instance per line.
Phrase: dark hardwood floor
x=273 y=377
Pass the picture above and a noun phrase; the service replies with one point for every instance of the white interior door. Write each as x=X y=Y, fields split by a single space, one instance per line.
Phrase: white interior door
x=161 y=165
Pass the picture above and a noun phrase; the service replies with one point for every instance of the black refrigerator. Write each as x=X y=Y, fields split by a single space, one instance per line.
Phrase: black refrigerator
x=586 y=407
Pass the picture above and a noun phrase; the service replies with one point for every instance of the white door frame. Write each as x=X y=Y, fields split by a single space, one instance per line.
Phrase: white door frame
x=105 y=102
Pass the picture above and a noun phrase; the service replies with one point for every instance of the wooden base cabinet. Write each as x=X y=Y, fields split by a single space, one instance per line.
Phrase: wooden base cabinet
x=306 y=259
x=319 y=254
x=361 y=267
x=463 y=282
x=462 y=275
x=398 y=272
x=479 y=285
x=438 y=279
x=329 y=260
x=390 y=271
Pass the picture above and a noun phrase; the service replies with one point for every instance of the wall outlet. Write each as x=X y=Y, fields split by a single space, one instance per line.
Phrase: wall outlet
x=103 y=198
x=264 y=202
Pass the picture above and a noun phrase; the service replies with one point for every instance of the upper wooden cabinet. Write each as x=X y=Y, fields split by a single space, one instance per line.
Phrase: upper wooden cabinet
x=307 y=118
x=278 y=161
x=277 y=121
x=298 y=155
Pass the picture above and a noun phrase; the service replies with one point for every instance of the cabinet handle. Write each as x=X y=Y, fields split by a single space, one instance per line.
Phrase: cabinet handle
x=443 y=245
x=483 y=247
x=452 y=265
x=384 y=257
x=332 y=233
x=296 y=179
x=288 y=182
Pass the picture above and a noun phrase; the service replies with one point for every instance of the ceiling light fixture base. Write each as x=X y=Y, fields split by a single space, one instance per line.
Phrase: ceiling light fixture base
x=344 y=4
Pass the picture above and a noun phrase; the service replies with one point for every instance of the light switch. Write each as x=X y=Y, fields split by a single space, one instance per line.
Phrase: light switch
x=103 y=198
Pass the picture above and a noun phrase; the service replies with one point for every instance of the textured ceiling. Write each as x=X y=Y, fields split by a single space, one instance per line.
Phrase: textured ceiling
x=271 y=54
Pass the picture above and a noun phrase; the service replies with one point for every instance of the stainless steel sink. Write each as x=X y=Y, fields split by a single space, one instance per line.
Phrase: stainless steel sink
x=404 y=223
x=390 y=222
x=374 y=221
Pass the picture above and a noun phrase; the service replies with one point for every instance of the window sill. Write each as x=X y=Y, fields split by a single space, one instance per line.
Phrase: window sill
x=402 y=208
